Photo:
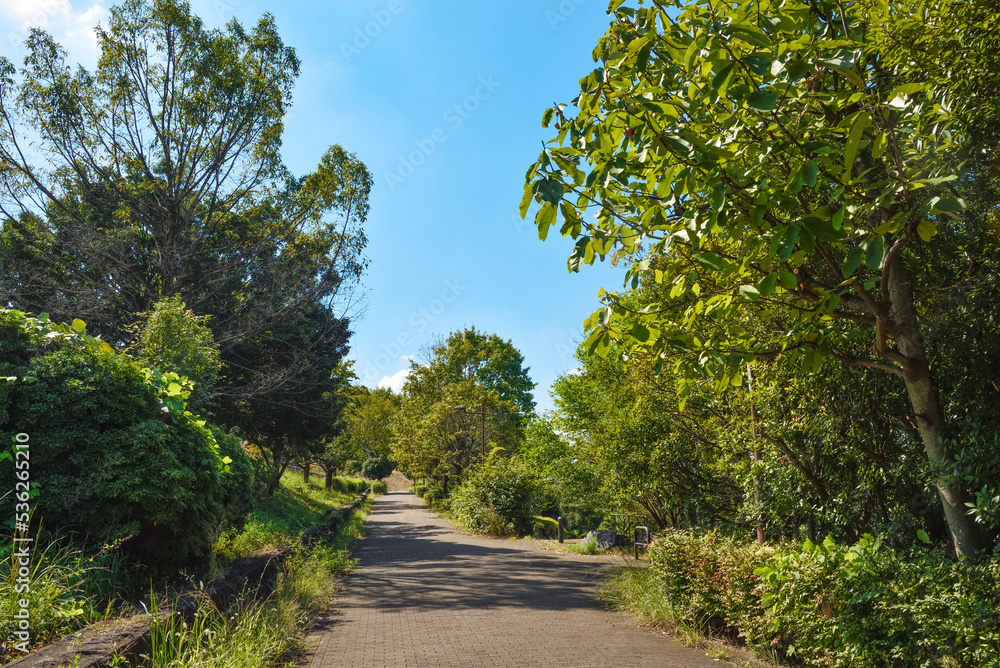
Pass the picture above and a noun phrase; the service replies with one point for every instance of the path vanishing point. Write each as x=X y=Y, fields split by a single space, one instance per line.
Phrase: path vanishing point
x=428 y=596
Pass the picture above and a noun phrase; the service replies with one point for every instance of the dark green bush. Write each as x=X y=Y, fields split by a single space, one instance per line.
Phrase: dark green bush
x=379 y=487
x=869 y=606
x=831 y=605
x=114 y=454
x=499 y=498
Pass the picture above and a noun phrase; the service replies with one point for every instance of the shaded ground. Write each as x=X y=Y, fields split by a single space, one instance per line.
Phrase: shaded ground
x=428 y=596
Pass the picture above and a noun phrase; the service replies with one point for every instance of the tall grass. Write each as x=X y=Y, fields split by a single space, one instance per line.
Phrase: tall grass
x=66 y=587
x=255 y=633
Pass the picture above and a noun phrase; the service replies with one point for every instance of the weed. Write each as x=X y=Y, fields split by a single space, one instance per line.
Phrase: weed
x=586 y=546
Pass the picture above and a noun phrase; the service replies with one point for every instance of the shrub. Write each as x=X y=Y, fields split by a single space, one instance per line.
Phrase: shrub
x=833 y=605
x=545 y=527
x=499 y=498
x=379 y=487
x=113 y=450
x=865 y=605
x=710 y=580
x=175 y=339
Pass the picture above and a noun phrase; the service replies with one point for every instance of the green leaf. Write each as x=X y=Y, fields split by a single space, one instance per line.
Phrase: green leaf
x=718 y=198
x=787 y=280
x=926 y=229
x=722 y=76
x=544 y=219
x=810 y=172
x=879 y=145
x=750 y=292
x=906 y=89
x=711 y=261
x=875 y=253
x=766 y=284
x=547 y=117
x=838 y=218
x=923 y=537
x=526 y=201
x=852 y=261
x=765 y=100
x=550 y=190
x=640 y=333
x=861 y=122
x=79 y=326
x=948 y=204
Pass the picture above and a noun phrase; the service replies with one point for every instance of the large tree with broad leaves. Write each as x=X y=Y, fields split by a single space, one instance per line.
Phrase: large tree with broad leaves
x=783 y=156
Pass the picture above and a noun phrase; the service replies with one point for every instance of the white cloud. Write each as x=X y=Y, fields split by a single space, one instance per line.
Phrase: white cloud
x=395 y=381
x=408 y=358
x=574 y=372
x=72 y=28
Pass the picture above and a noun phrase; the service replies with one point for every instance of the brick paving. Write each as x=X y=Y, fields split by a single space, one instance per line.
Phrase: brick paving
x=428 y=596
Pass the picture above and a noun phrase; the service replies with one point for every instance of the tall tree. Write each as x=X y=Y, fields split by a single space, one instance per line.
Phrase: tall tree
x=780 y=157
x=474 y=393
x=159 y=174
x=487 y=359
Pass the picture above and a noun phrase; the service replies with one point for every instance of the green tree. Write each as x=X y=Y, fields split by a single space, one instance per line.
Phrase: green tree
x=163 y=177
x=784 y=158
x=435 y=440
x=369 y=419
x=487 y=359
x=377 y=467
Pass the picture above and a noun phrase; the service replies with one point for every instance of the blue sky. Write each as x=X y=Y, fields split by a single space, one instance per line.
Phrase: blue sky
x=442 y=100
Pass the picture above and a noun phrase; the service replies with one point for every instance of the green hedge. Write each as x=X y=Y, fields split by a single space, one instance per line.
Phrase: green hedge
x=114 y=454
x=831 y=605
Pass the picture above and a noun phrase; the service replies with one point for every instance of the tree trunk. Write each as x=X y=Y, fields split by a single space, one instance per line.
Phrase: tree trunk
x=329 y=478
x=926 y=403
x=306 y=472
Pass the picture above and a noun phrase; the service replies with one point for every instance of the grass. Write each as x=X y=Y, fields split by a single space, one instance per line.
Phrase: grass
x=254 y=633
x=70 y=589
x=66 y=588
x=585 y=546
x=295 y=506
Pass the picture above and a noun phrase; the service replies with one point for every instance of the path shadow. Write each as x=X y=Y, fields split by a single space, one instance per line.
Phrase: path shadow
x=431 y=566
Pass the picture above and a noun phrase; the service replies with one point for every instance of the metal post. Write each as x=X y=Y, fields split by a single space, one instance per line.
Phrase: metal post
x=484 y=431
x=559 y=530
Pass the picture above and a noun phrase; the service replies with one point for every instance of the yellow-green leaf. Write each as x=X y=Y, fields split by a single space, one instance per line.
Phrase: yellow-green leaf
x=926 y=229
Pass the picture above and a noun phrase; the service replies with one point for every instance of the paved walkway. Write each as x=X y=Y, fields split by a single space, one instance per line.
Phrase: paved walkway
x=428 y=596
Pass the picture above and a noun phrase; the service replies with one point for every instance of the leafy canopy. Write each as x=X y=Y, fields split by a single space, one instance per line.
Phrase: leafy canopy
x=751 y=155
